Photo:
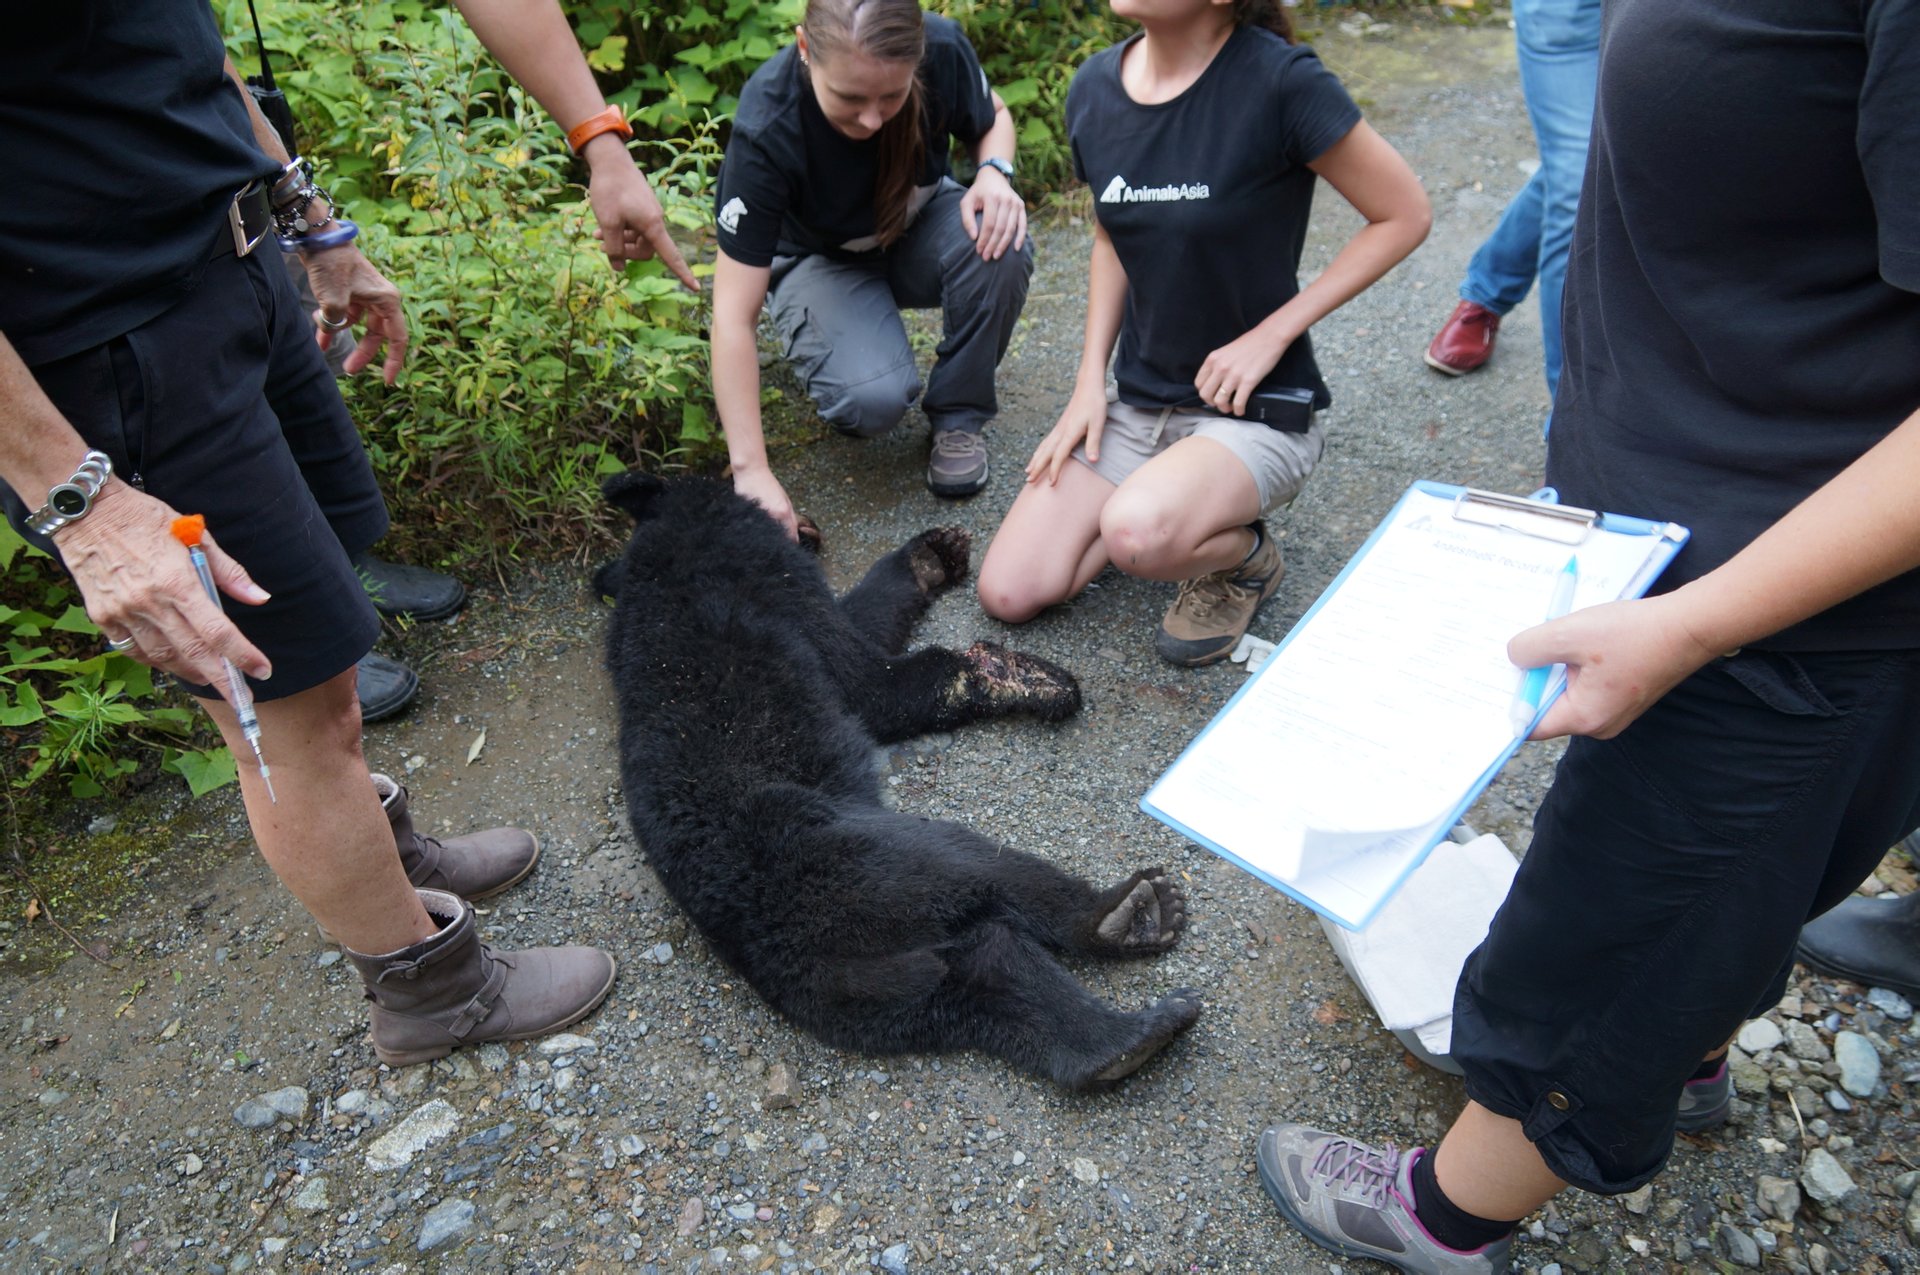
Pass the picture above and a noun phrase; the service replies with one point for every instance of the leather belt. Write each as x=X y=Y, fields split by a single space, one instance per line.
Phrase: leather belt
x=249 y=220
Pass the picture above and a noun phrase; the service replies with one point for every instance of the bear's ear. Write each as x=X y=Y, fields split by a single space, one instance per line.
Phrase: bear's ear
x=633 y=491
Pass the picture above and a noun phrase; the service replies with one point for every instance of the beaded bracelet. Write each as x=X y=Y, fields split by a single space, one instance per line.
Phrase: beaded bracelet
x=339 y=233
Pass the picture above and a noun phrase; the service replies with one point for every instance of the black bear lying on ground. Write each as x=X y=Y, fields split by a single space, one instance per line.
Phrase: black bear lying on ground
x=750 y=704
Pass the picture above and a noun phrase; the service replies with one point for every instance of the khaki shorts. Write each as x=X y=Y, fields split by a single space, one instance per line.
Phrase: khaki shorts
x=1279 y=461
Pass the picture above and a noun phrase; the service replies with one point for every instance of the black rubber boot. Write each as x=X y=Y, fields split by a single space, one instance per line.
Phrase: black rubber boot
x=1875 y=942
x=405 y=592
x=384 y=686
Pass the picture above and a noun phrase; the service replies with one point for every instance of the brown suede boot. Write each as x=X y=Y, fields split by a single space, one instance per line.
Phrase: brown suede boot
x=475 y=866
x=451 y=989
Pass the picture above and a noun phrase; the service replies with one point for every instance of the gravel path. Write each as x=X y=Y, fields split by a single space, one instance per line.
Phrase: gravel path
x=208 y=1102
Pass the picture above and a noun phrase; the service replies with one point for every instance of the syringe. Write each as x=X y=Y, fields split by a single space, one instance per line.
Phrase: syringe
x=188 y=531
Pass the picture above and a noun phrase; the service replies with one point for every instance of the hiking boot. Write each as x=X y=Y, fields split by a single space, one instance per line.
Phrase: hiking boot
x=409 y=593
x=1211 y=613
x=1465 y=341
x=957 y=465
x=476 y=866
x=1358 y=1201
x=383 y=686
x=1873 y=942
x=451 y=989
x=1704 y=1104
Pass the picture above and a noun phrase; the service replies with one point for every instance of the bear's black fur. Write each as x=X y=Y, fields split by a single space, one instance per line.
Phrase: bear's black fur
x=750 y=702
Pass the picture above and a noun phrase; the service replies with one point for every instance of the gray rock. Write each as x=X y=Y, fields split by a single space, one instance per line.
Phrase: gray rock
x=445 y=1221
x=1737 y=1246
x=1913 y=1219
x=312 y=1196
x=1778 y=1197
x=632 y=1145
x=1890 y=1003
x=424 y=1126
x=1819 y=1259
x=291 y=1102
x=254 y=1114
x=894 y=1260
x=1823 y=1177
x=1804 y=1043
x=329 y=957
x=1758 y=1035
x=1839 y=1101
x=1638 y=1202
x=1859 y=1063
x=660 y=953
x=567 y=1043
x=1905 y=1183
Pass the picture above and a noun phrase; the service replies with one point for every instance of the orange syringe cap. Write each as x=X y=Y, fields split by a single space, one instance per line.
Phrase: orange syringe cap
x=189 y=528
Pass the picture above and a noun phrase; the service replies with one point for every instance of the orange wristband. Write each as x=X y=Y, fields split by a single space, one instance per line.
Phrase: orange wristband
x=611 y=120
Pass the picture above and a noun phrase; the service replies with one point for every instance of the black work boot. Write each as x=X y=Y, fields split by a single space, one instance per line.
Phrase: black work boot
x=1875 y=942
x=451 y=989
x=383 y=686
x=405 y=592
x=477 y=865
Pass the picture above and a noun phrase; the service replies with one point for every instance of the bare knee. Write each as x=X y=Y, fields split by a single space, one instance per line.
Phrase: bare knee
x=1014 y=595
x=1140 y=538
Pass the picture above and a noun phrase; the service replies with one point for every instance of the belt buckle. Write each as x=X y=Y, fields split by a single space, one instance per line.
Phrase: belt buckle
x=244 y=242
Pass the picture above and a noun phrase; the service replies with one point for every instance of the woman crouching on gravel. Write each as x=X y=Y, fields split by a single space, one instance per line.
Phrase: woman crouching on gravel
x=1201 y=137
x=835 y=201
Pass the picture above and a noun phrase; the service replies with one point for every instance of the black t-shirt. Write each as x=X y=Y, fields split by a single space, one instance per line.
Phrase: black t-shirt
x=122 y=141
x=793 y=185
x=1206 y=199
x=1743 y=297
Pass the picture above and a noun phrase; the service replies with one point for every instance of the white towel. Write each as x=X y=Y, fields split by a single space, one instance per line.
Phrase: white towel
x=1408 y=958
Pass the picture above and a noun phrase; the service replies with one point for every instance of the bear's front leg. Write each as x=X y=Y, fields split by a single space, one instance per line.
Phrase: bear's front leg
x=896 y=591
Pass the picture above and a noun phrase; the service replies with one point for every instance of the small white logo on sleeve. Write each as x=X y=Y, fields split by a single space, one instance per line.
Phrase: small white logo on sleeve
x=1116 y=190
x=731 y=214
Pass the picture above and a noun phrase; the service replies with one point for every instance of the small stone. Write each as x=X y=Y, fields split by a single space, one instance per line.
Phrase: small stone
x=290 y=1103
x=1819 y=1257
x=312 y=1196
x=1749 y=1077
x=567 y=1043
x=692 y=1214
x=1737 y=1246
x=329 y=957
x=100 y=825
x=1823 y=1177
x=424 y=1126
x=741 y=1212
x=779 y=1095
x=190 y=1165
x=1839 y=1101
x=1913 y=1219
x=1019 y=1158
x=1084 y=1170
x=274 y=1245
x=1778 y=1197
x=1804 y=1042
x=660 y=953
x=1551 y=1268
x=1890 y=1003
x=894 y=1260
x=632 y=1145
x=1905 y=1183
x=1638 y=1202
x=1859 y=1063
x=445 y=1221
x=1758 y=1035
x=254 y=1114
x=813 y=1144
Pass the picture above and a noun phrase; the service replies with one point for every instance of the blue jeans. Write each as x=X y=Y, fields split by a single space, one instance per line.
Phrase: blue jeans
x=1559 y=47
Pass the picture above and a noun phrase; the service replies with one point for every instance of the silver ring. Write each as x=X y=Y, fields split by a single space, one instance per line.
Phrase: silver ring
x=333 y=325
x=120 y=644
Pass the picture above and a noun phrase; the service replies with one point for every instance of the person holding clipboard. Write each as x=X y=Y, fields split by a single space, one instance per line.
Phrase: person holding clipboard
x=1202 y=138
x=1744 y=748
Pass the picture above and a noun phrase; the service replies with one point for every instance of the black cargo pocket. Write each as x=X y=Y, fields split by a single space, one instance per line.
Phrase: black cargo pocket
x=1777 y=680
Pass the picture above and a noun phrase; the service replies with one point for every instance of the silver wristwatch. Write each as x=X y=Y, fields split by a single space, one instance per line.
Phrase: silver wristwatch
x=70 y=501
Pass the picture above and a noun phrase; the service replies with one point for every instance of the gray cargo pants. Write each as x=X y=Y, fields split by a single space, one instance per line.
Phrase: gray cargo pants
x=839 y=323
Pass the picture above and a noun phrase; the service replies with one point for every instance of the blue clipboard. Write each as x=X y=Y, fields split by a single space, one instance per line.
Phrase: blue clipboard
x=1539 y=515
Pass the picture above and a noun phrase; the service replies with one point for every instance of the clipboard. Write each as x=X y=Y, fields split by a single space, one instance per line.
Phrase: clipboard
x=1384 y=713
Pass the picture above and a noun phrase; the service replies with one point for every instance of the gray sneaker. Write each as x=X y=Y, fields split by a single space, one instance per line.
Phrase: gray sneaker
x=957 y=465
x=1705 y=1104
x=1358 y=1201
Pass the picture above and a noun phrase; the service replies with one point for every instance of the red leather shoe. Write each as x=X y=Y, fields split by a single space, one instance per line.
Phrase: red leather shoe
x=1465 y=341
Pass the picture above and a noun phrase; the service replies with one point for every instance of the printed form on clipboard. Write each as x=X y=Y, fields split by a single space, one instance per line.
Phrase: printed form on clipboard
x=1389 y=707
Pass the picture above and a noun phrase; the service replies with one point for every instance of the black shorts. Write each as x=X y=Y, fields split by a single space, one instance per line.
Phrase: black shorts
x=224 y=406
x=1670 y=872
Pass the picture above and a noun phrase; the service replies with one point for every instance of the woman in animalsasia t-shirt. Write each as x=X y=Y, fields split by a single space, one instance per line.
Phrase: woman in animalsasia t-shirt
x=835 y=198
x=1201 y=138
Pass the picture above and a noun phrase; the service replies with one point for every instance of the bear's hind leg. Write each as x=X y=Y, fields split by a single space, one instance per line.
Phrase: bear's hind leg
x=896 y=591
x=937 y=689
x=1006 y=995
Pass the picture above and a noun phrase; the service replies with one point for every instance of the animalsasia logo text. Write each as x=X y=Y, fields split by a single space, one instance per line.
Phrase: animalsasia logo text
x=1118 y=192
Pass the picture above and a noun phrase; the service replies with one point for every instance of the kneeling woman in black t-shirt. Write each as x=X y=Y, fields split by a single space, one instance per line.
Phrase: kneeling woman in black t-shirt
x=1201 y=138
x=835 y=199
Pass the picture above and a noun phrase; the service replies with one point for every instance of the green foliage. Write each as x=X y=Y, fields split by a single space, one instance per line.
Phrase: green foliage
x=72 y=710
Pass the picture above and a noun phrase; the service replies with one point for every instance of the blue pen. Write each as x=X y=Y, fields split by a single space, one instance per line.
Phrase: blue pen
x=1533 y=682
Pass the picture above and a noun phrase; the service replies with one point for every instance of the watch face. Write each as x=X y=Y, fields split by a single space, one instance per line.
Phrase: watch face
x=67 y=500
